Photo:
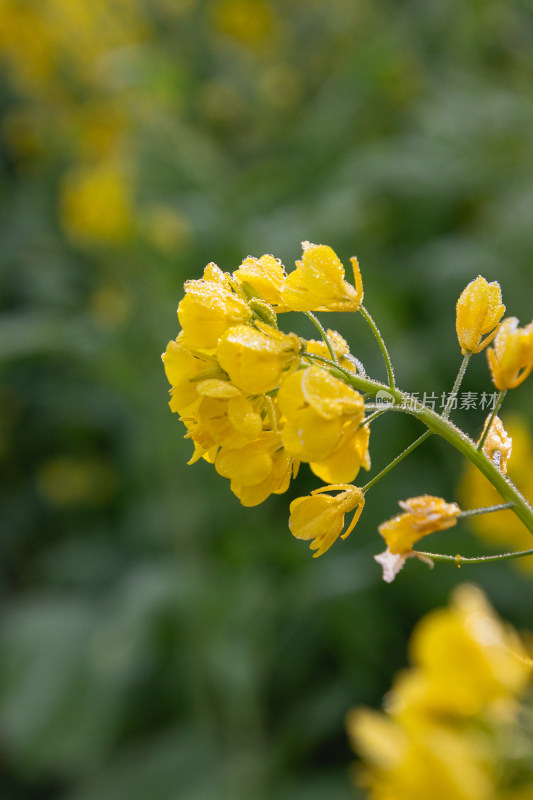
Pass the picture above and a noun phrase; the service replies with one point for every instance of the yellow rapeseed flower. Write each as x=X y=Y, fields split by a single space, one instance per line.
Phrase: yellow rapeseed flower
x=465 y=661
x=318 y=284
x=320 y=517
x=318 y=409
x=350 y=454
x=182 y=369
x=256 y=359
x=423 y=515
x=265 y=276
x=208 y=309
x=340 y=348
x=428 y=761
x=479 y=310
x=256 y=470
x=511 y=357
x=231 y=421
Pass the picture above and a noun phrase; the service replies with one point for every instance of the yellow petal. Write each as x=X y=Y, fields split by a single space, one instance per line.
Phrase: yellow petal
x=254 y=360
x=329 y=396
x=318 y=282
x=246 y=466
x=344 y=463
x=266 y=275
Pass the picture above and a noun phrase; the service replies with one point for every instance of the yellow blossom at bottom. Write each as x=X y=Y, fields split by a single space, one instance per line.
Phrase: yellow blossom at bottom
x=449 y=718
x=320 y=517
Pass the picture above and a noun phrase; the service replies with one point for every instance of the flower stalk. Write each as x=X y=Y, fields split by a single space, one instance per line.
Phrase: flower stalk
x=381 y=342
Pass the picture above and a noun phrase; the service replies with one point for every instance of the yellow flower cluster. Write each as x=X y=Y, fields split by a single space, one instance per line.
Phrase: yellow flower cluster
x=450 y=718
x=254 y=403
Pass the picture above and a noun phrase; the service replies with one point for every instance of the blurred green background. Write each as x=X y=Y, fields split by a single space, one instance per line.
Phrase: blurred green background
x=159 y=641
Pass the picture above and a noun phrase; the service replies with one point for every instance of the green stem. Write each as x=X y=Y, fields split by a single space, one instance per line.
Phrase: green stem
x=402 y=401
x=472 y=512
x=457 y=384
x=381 y=343
x=316 y=322
x=459 y=560
x=395 y=461
x=491 y=419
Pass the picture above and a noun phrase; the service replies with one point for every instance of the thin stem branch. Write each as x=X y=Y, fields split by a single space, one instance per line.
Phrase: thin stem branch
x=459 y=560
x=457 y=384
x=396 y=461
x=491 y=419
x=372 y=417
x=316 y=322
x=472 y=512
x=381 y=343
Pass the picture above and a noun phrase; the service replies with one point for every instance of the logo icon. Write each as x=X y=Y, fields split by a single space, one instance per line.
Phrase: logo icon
x=384 y=398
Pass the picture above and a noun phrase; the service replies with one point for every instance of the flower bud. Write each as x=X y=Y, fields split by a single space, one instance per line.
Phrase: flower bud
x=498 y=444
x=479 y=310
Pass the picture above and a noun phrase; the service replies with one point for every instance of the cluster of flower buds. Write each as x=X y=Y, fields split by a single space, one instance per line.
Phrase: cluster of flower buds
x=456 y=723
x=254 y=402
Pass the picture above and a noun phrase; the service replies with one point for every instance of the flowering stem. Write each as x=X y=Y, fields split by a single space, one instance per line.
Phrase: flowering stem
x=491 y=419
x=444 y=428
x=459 y=560
x=380 y=341
x=457 y=384
x=395 y=461
x=472 y=512
x=316 y=322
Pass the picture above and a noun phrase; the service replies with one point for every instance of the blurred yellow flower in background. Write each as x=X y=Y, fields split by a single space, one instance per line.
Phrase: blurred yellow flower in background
x=444 y=730
x=97 y=203
x=250 y=22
